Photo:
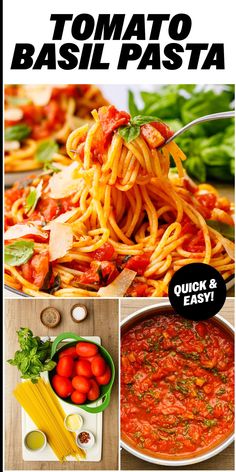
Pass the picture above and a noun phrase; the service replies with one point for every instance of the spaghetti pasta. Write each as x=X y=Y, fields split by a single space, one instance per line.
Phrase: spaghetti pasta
x=49 y=112
x=134 y=213
x=43 y=407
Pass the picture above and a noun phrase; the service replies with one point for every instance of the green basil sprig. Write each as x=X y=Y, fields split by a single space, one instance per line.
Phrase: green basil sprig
x=18 y=253
x=132 y=130
x=45 y=150
x=223 y=228
x=17 y=132
x=33 y=357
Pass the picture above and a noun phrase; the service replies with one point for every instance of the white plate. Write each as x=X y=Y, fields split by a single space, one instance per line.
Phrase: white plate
x=92 y=422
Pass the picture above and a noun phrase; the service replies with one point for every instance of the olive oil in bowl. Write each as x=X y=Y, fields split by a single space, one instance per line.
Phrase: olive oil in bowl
x=35 y=441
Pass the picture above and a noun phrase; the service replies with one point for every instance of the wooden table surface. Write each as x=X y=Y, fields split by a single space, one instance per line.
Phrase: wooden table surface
x=101 y=321
x=224 y=460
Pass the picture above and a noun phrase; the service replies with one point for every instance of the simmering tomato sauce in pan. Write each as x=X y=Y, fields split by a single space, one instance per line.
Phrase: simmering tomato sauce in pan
x=177 y=386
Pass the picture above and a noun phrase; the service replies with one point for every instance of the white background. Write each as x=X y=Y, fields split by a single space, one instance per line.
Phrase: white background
x=29 y=21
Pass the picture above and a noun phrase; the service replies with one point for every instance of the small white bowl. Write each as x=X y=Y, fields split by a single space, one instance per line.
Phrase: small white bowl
x=90 y=442
x=81 y=422
x=44 y=444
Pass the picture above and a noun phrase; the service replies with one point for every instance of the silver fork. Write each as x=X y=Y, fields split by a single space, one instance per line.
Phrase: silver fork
x=214 y=116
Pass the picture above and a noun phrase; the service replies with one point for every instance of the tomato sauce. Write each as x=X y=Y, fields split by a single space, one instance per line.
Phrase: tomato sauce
x=177 y=383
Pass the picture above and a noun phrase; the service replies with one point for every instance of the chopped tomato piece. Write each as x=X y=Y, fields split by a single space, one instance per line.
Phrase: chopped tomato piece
x=48 y=208
x=196 y=243
x=100 y=273
x=36 y=269
x=201 y=329
x=137 y=290
x=110 y=119
x=13 y=194
x=208 y=200
x=138 y=263
x=66 y=204
x=163 y=129
x=152 y=136
x=103 y=253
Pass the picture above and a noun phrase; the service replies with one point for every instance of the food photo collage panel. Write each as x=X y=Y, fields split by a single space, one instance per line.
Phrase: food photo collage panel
x=119 y=277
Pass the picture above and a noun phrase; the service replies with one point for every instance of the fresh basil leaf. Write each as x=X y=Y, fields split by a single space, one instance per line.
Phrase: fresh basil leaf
x=31 y=200
x=223 y=228
x=45 y=150
x=48 y=166
x=33 y=197
x=18 y=253
x=133 y=109
x=142 y=120
x=17 y=132
x=129 y=133
x=196 y=168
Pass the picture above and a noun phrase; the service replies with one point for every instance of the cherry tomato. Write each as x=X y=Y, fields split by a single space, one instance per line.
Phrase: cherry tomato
x=110 y=119
x=94 y=391
x=98 y=366
x=70 y=351
x=81 y=383
x=103 y=253
x=62 y=386
x=105 y=378
x=84 y=349
x=78 y=397
x=138 y=263
x=65 y=366
x=83 y=367
x=90 y=359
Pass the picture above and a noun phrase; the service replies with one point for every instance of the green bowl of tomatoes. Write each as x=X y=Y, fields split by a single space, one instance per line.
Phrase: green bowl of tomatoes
x=84 y=373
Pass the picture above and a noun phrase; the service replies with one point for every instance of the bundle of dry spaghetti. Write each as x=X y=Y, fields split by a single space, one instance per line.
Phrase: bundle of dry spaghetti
x=124 y=195
x=43 y=407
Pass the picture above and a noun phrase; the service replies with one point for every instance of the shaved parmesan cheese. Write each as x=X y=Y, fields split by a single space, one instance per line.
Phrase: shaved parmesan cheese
x=20 y=230
x=62 y=218
x=61 y=240
x=39 y=94
x=119 y=286
x=64 y=183
x=13 y=114
x=11 y=146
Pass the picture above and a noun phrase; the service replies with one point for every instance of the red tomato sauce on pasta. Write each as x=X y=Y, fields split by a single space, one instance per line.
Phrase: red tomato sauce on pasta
x=177 y=382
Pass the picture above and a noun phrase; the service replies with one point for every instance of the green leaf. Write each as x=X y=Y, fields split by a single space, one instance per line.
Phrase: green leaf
x=31 y=200
x=33 y=197
x=133 y=109
x=129 y=133
x=142 y=120
x=18 y=253
x=223 y=228
x=49 y=166
x=196 y=168
x=17 y=132
x=45 y=150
